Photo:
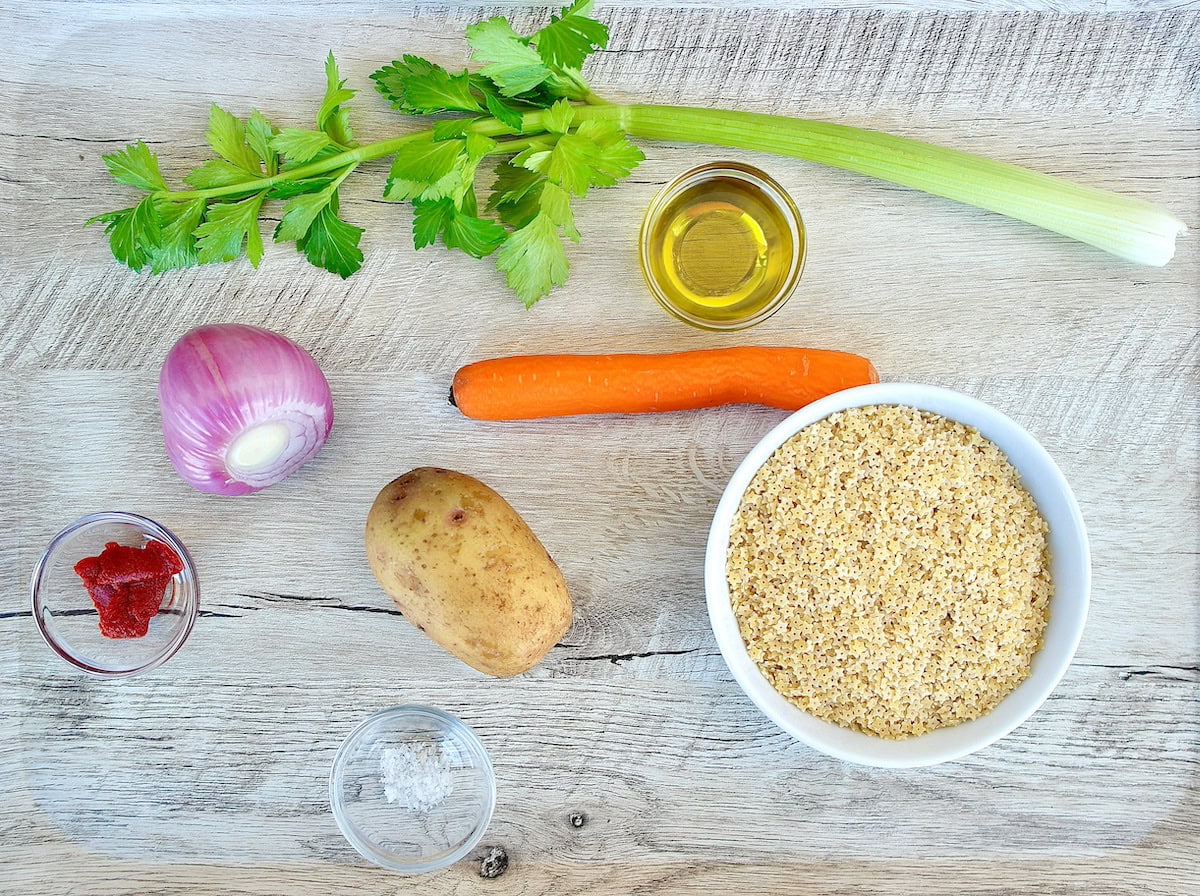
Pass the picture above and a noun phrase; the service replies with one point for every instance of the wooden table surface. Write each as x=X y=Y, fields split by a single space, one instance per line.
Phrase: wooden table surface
x=209 y=775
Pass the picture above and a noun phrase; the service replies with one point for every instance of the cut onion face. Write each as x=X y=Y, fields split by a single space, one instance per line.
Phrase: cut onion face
x=242 y=408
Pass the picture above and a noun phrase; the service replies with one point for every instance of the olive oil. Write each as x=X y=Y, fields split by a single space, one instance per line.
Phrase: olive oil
x=722 y=247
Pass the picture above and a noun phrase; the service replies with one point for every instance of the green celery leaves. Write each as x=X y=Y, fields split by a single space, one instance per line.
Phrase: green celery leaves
x=570 y=37
x=520 y=108
x=218 y=220
x=332 y=117
x=478 y=237
x=229 y=229
x=523 y=90
x=332 y=244
x=298 y=145
x=597 y=154
x=227 y=137
x=136 y=166
x=512 y=65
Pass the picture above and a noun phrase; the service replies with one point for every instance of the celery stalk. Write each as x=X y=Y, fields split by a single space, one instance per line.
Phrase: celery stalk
x=1124 y=226
x=529 y=112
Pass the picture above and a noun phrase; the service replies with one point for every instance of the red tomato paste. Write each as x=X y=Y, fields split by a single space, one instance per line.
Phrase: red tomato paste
x=127 y=585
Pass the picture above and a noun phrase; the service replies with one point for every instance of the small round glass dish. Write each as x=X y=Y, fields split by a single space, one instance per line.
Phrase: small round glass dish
x=68 y=620
x=722 y=246
x=412 y=789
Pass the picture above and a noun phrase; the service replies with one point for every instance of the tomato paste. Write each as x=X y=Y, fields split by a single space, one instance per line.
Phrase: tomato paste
x=127 y=585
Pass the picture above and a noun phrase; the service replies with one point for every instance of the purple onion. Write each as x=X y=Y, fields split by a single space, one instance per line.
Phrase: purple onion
x=242 y=408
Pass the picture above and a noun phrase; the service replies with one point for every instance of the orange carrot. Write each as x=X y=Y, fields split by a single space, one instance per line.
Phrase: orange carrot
x=533 y=386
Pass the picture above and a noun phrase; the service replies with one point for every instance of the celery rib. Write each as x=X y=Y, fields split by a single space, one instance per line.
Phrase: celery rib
x=1129 y=228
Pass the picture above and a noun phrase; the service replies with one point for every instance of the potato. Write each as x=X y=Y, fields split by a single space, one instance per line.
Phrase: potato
x=466 y=570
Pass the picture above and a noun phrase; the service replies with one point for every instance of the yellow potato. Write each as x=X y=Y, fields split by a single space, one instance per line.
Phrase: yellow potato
x=466 y=570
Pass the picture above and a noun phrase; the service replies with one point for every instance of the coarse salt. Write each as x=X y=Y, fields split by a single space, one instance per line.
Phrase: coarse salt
x=416 y=776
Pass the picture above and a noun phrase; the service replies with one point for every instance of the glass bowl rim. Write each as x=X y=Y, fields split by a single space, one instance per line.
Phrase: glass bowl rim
x=148 y=526
x=461 y=733
x=772 y=191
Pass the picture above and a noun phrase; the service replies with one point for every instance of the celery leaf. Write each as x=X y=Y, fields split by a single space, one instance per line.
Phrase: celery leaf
x=440 y=91
x=597 y=154
x=289 y=188
x=259 y=134
x=559 y=117
x=439 y=170
x=516 y=194
x=176 y=247
x=452 y=128
x=298 y=145
x=299 y=213
x=424 y=161
x=555 y=204
x=333 y=118
x=570 y=37
x=227 y=226
x=135 y=166
x=513 y=66
x=459 y=230
x=533 y=257
x=218 y=173
x=507 y=115
x=429 y=219
x=133 y=233
x=391 y=80
x=332 y=244
x=512 y=183
x=476 y=236
x=227 y=136
x=399 y=189
x=534 y=260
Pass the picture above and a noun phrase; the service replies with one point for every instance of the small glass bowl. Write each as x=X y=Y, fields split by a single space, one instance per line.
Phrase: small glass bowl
x=412 y=789
x=723 y=204
x=67 y=618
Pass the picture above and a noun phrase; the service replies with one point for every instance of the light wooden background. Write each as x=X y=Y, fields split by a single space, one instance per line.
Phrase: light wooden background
x=209 y=775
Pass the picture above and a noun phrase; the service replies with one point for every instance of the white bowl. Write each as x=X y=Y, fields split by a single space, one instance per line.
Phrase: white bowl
x=1070 y=569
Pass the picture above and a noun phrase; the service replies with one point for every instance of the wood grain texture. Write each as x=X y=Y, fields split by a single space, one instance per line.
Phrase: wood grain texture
x=633 y=725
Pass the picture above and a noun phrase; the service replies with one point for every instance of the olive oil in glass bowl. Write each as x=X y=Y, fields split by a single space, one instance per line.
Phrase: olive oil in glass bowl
x=722 y=246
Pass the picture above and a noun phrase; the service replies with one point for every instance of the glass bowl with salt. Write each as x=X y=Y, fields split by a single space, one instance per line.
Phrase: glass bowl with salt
x=412 y=789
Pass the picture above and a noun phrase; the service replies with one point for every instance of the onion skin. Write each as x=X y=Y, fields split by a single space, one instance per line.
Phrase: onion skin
x=220 y=380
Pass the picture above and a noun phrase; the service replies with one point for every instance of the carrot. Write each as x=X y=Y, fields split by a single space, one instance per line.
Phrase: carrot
x=529 y=387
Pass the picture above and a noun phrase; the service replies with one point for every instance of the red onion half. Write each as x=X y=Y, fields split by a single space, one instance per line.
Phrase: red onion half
x=242 y=408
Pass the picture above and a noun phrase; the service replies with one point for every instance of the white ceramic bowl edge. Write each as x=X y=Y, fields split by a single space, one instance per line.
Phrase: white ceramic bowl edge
x=1070 y=571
